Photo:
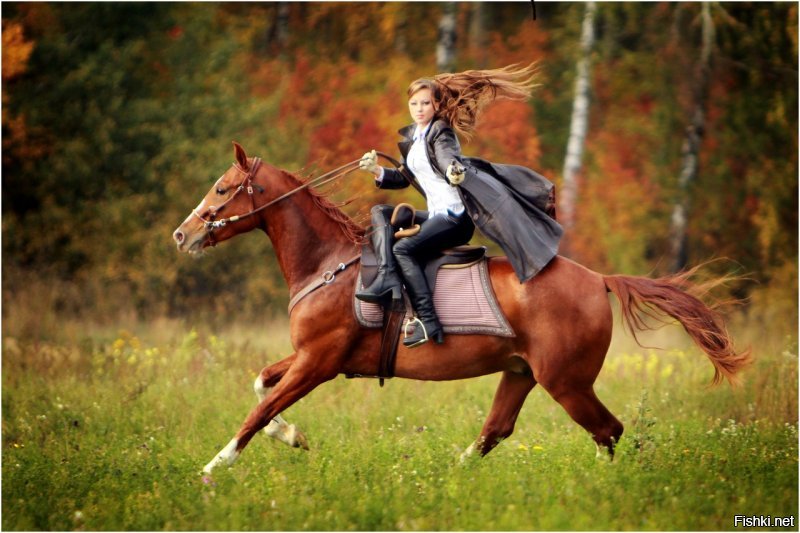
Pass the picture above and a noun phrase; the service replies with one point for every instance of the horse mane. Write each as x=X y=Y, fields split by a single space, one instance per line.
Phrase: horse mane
x=352 y=230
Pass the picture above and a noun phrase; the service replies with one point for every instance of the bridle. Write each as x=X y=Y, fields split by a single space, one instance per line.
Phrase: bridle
x=210 y=223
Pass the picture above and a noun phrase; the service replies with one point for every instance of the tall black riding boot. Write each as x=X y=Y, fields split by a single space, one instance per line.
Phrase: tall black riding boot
x=387 y=282
x=427 y=324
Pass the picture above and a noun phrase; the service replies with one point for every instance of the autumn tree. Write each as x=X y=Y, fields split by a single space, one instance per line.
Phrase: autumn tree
x=118 y=117
x=446 y=42
x=579 y=123
x=690 y=153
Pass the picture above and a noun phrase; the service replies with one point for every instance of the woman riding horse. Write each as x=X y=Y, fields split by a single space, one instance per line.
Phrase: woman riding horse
x=510 y=204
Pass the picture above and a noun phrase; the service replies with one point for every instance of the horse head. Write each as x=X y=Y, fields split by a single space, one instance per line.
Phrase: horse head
x=227 y=208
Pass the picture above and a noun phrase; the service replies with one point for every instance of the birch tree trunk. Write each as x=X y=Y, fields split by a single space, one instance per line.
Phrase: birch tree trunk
x=401 y=29
x=579 y=123
x=278 y=33
x=477 y=32
x=690 y=151
x=446 y=41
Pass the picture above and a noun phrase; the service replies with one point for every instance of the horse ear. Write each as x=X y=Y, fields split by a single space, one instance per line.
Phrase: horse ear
x=241 y=156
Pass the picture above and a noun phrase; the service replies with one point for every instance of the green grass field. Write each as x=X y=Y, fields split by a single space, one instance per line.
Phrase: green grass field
x=105 y=429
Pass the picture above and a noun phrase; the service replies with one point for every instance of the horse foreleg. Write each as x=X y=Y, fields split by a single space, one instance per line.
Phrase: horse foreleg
x=278 y=428
x=298 y=381
x=508 y=400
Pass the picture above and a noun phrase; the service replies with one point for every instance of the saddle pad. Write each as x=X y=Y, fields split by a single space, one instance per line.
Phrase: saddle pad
x=464 y=301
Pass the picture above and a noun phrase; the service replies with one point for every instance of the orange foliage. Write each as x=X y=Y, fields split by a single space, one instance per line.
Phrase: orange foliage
x=16 y=50
x=529 y=43
x=506 y=134
x=344 y=109
x=618 y=197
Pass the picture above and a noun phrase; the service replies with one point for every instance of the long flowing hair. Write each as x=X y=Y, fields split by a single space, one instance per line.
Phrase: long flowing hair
x=460 y=97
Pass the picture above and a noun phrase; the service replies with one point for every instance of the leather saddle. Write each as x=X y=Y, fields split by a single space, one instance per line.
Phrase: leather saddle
x=458 y=257
x=395 y=310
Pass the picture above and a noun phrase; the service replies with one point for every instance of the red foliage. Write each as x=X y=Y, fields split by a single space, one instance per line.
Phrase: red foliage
x=530 y=43
x=506 y=134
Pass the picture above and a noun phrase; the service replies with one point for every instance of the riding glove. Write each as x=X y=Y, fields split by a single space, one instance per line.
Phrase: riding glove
x=456 y=173
x=369 y=162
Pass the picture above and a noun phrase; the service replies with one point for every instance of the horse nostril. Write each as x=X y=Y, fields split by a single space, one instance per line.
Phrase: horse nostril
x=178 y=236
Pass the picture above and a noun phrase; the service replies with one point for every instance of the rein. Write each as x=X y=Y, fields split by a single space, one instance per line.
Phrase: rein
x=247 y=184
x=210 y=223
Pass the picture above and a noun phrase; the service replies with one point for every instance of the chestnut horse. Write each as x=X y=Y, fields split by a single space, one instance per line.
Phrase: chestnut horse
x=562 y=317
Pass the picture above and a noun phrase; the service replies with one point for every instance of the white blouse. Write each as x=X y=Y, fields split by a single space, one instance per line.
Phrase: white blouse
x=442 y=197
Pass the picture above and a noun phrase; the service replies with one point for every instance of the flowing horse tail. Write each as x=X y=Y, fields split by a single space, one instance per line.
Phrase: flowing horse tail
x=672 y=295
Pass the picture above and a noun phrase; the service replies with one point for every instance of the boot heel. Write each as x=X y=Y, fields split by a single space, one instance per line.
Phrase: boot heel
x=438 y=337
x=397 y=292
x=367 y=297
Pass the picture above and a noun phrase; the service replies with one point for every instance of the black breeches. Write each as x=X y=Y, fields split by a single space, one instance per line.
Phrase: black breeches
x=436 y=234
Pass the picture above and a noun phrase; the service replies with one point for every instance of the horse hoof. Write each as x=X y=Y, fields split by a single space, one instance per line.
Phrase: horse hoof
x=300 y=441
x=467 y=455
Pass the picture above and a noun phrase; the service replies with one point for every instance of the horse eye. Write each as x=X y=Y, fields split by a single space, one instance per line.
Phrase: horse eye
x=221 y=191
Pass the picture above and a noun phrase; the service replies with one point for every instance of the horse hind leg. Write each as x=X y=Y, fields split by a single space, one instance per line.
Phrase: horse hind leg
x=587 y=410
x=508 y=400
x=278 y=428
x=567 y=370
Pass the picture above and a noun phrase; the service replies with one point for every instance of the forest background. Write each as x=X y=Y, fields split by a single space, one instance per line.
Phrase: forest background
x=118 y=117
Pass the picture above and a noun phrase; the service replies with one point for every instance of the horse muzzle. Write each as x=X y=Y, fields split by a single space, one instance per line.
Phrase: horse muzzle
x=190 y=241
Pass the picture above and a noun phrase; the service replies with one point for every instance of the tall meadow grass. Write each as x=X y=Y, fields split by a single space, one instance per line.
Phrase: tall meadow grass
x=107 y=424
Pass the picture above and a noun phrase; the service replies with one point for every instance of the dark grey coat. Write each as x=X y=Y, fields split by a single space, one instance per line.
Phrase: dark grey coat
x=510 y=204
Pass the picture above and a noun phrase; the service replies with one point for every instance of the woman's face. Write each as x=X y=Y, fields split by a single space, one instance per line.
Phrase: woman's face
x=420 y=105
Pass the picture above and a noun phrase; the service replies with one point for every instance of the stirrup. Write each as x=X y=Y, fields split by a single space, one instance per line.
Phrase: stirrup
x=419 y=324
x=437 y=336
